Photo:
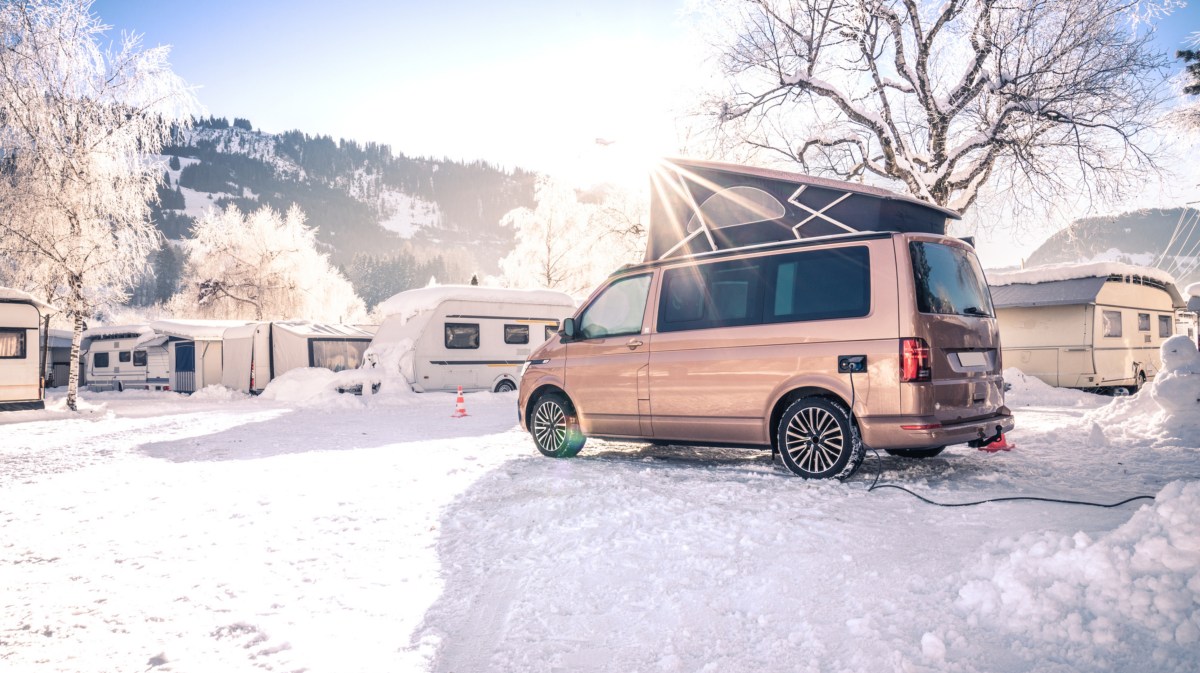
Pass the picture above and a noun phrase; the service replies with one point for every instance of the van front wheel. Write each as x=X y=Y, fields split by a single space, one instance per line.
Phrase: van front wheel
x=817 y=439
x=555 y=428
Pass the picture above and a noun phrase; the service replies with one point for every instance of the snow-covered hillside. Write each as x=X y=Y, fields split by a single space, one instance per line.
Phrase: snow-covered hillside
x=333 y=533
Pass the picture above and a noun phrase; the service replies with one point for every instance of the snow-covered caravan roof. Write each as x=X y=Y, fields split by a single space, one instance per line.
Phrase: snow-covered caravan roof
x=15 y=296
x=412 y=302
x=1192 y=293
x=333 y=331
x=1062 y=284
x=702 y=206
x=195 y=330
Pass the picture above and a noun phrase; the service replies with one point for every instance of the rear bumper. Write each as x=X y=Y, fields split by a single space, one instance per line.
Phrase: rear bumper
x=918 y=432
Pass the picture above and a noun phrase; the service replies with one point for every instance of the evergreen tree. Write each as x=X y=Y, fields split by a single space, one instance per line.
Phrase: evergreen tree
x=1192 y=58
x=174 y=163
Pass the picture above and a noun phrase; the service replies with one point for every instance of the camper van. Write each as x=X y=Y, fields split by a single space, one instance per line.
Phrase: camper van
x=1096 y=327
x=125 y=357
x=782 y=312
x=443 y=337
x=20 y=350
x=256 y=353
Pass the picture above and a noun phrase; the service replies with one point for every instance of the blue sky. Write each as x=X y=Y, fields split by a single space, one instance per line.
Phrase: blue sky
x=530 y=83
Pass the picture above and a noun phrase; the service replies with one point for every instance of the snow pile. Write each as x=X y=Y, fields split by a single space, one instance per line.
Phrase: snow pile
x=392 y=358
x=1134 y=589
x=1028 y=391
x=319 y=387
x=1167 y=410
x=216 y=393
x=1054 y=272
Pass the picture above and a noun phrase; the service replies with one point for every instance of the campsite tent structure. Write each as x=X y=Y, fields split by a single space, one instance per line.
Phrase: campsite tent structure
x=121 y=357
x=1090 y=326
x=256 y=353
x=58 y=359
x=20 y=350
x=442 y=337
x=194 y=351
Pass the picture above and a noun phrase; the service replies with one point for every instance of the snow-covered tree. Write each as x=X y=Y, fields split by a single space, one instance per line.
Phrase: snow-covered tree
x=76 y=122
x=567 y=244
x=946 y=96
x=262 y=266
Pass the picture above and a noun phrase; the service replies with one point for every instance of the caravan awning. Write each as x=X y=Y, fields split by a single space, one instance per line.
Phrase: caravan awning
x=702 y=206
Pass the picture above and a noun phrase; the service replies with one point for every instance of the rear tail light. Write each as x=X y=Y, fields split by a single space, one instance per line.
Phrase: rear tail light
x=915 y=366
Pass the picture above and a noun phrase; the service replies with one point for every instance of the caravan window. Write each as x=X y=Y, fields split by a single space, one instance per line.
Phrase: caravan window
x=1112 y=323
x=1166 y=326
x=516 y=334
x=462 y=335
x=12 y=343
x=139 y=358
x=123 y=356
x=337 y=354
x=1143 y=322
x=100 y=360
x=551 y=330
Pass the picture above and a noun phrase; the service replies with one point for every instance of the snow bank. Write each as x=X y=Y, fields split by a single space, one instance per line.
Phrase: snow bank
x=1030 y=391
x=318 y=387
x=1053 y=272
x=1167 y=410
x=411 y=302
x=217 y=393
x=1134 y=589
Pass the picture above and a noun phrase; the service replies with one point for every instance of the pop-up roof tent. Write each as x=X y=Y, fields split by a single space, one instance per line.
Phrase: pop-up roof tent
x=703 y=206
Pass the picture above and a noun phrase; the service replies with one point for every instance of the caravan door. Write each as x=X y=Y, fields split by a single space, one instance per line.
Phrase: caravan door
x=185 y=367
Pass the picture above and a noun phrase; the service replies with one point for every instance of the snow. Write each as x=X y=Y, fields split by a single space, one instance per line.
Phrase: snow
x=12 y=294
x=210 y=330
x=100 y=332
x=1192 y=290
x=302 y=529
x=405 y=214
x=411 y=302
x=1053 y=272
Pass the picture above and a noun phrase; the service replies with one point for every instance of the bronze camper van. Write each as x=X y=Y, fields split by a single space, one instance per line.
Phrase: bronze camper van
x=779 y=311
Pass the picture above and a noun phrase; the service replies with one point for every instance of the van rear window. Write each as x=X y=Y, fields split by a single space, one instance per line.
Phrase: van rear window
x=949 y=280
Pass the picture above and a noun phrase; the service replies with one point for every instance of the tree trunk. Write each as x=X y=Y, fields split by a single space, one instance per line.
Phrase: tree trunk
x=73 y=379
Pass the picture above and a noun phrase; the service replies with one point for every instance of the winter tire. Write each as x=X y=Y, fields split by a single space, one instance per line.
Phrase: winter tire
x=505 y=386
x=915 y=453
x=817 y=439
x=555 y=428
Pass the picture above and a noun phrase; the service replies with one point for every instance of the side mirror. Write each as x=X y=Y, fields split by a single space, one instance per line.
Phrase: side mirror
x=568 y=329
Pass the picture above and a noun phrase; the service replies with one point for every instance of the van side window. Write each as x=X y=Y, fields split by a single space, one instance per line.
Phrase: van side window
x=462 y=335
x=820 y=285
x=12 y=343
x=1143 y=322
x=139 y=358
x=1166 y=326
x=618 y=310
x=123 y=356
x=100 y=359
x=516 y=334
x=1112 y=323
x=721 y=294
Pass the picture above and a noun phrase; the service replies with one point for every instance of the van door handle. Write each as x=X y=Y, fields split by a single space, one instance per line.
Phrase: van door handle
x=634 y=344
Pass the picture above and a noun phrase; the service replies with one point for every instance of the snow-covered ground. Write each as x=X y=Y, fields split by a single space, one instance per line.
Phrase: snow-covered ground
x=217 y=532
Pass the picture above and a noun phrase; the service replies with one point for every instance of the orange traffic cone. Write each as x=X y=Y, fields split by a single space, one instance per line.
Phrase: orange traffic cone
x=998 y=445
x=460 y=408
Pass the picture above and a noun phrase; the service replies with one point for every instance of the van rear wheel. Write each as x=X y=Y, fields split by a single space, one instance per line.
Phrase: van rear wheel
x=555 y=427
x=916 y=453
x=817 y=439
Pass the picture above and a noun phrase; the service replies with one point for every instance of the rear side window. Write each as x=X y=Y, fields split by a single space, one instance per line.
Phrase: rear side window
x=722 y=294
x=1166 y=327
x=516 y=334
x=820 y=285
x=139 y=358
x=100 y=359
x=461 y=335
x=949 y=280
x=12 y=343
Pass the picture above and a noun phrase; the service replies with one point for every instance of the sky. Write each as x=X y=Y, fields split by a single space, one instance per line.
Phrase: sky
x=530 y=83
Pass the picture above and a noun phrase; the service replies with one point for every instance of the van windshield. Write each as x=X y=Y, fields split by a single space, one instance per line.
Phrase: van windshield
x=949 y=280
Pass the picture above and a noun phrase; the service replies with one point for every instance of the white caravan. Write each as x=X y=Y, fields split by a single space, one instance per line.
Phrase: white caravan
x=439 y=338
x=1092 y=326
x=124 y=357
x=20 y=350
x=194 y=351
x=256 y=353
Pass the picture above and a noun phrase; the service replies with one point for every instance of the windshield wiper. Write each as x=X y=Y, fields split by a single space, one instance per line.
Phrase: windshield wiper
x=975 y=310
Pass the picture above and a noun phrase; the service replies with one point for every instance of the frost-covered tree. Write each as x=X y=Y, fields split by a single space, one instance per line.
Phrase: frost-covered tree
x=947 y=96
x=76 y=122
x=262 y=266
x=567 y=244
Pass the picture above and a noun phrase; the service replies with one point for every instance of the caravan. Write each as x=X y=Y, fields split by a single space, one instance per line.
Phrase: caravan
x=256 y=353
x=194 y=351
x=20 y=355
x=440 y=338
x=124 y=357
x=1095 y=326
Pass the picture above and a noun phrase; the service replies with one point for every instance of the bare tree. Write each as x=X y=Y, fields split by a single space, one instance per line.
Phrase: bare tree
x=262 y=266
x=75 y=125
x=948 y=96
